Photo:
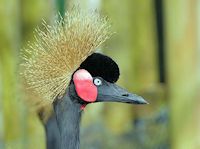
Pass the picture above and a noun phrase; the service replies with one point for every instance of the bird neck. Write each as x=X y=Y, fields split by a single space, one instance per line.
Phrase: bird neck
x=68 y=116
x=52 y=133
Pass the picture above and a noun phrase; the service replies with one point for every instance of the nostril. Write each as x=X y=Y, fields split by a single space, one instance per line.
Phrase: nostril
x=125 y=95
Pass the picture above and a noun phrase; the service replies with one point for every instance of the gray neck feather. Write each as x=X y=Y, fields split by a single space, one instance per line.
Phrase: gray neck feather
x=52 y=133
x=68 y=116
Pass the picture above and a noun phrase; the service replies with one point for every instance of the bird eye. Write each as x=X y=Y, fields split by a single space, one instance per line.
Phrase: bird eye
x=97 y=82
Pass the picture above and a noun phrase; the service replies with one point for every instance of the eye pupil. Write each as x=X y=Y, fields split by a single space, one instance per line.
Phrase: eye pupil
x=97 y=82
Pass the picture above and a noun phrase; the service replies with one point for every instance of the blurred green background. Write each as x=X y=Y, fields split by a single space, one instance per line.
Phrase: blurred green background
x=158 y=51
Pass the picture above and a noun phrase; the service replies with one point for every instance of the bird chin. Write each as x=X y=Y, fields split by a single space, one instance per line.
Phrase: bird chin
x=83 y=106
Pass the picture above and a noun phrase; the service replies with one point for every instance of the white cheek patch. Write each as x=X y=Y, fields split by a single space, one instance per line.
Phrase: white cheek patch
x=82 y=74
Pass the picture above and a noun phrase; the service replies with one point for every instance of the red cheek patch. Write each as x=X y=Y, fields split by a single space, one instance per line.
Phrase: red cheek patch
x=84 y=86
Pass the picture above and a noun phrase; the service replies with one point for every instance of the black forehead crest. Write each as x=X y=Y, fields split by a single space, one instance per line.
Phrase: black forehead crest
x=102 y=66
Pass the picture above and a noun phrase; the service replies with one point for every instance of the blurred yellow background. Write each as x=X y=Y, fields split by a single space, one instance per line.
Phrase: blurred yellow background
x=158 y=51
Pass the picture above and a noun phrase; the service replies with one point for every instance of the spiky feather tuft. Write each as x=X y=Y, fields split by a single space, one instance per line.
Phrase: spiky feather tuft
x=59 y=50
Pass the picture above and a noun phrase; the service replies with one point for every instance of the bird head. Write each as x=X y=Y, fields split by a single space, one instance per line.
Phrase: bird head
x=51 y=61
x=95 y=81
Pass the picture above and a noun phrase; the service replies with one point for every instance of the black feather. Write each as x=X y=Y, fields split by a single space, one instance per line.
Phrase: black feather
x=102 y=66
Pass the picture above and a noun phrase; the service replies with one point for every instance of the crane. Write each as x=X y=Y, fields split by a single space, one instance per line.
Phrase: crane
x=64 y=70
